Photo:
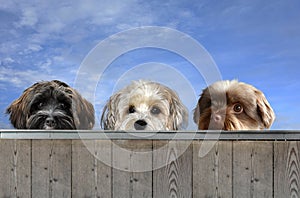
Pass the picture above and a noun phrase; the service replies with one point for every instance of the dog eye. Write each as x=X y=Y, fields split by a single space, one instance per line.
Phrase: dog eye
x=155 y=110
x=131 y=109
x=62 y=105
x=40 y=105
x=237 y=108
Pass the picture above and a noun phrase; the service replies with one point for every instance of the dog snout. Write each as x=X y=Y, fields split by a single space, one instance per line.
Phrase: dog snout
x=50 y=122
x=216 y=117
x=140 y=125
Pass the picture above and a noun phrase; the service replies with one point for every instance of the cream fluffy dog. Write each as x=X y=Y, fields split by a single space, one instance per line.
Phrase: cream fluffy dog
x=233 y=105
x=144 y=105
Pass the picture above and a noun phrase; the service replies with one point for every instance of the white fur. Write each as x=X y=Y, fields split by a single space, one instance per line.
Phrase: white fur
x=143 y=96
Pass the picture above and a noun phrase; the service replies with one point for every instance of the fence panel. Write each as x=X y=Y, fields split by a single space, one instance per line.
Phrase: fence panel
x=287 y=169
x=212 y=173
x=117 y=164
x=51 y=168
x=90 y=176
x=15 y=168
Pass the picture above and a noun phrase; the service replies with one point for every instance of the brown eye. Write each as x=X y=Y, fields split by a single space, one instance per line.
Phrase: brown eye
x=131 y=109
x=238 y=108
x=155 y=110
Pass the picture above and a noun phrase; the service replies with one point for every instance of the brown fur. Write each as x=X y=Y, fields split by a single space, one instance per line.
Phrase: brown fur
x=219 y=100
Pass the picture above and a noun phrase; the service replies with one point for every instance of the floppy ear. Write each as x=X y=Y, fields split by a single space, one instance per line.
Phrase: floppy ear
x=110 y=111
x=197 y=113
x=83 y=112
x=18 y=113
x=178 y=119
x=264 y=109
x=203 y=103
x=19 y=109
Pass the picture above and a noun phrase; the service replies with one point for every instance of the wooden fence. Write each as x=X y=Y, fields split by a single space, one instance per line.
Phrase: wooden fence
x=94 y=164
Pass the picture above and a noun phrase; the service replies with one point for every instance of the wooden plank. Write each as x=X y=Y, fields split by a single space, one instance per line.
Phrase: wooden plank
x=252 y=169
x=91 y=170
x=172 y=164
x=51 y=168
x=287 y=169
x=132 y=169
x=212 y=173
x=15 y=168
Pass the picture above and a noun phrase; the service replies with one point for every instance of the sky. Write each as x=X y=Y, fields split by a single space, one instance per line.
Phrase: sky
x=98 y=47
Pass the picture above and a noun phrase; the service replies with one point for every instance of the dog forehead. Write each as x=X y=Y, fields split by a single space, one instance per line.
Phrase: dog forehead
x=243 y=93
x=50 y=90
x=228 y=92
x=142 y=107
x=145 y=91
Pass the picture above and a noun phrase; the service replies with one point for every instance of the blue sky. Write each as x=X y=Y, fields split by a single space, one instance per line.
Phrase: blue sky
x=257 y=42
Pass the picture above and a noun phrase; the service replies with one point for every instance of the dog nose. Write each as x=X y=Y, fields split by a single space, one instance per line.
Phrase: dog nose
x=50 y=122
x=217 y=117
x=140 y=125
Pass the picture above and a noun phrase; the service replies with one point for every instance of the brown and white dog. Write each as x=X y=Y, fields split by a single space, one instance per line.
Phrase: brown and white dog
x=233 y=105
x=144 y=105
x=51 y=105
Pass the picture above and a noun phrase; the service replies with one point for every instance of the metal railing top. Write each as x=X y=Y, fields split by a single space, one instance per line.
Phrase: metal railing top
x=270 y=135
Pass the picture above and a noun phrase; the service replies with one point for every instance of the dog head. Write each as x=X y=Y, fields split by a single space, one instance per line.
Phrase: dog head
x=51 y=105
x=233 y=105
x=144 y=105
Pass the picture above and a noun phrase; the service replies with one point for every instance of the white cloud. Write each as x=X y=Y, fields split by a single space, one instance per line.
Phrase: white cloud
x=7 y=60
x=19 y=79
x=29 y=18
x=43 y=40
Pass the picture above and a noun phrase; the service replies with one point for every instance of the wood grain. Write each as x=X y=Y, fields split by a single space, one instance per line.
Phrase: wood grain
x=15 y=168
x=51 y=168
x=287 y=169
x=91 y=171
x=252 y=169
x=98 y=168
x=212 y=174
x=173 y=176
x=132 y=169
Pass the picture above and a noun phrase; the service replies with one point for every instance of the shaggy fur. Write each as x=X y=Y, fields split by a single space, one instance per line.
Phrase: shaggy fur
x=144 y=105
x=233 y=105
x=51 y=105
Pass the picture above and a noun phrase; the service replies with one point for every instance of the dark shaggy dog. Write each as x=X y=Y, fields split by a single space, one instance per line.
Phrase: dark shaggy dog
x=51 y=105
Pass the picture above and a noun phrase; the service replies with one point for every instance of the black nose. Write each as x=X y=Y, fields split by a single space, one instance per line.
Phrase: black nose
x=50 y=122
x=140 y=125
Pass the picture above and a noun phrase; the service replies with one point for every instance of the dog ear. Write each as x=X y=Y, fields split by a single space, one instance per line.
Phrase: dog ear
x=196 y=116
x=264 y=109
x=110 y=111
x=19 y=109
x=203 y=103
x=178 y=113
x=83 y=112
x=17 y=112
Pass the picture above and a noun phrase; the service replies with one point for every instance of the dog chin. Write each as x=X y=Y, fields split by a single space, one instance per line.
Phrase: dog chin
x=40 y=122
x=229 y=124
x=133 y=125
x=215 y=126
x=48 y=128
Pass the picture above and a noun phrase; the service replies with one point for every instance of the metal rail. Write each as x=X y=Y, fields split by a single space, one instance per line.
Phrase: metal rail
x=270 y=135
